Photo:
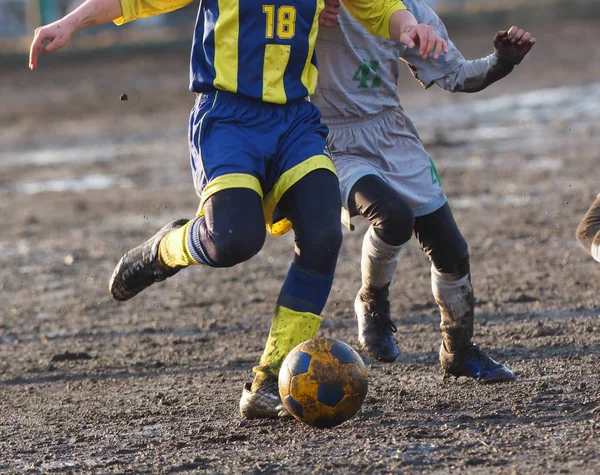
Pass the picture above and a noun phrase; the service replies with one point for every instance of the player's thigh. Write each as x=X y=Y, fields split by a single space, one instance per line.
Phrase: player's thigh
x=304 y=186
x=389 y=146
x=313 y=205
x=314 y=200
x=389 y=213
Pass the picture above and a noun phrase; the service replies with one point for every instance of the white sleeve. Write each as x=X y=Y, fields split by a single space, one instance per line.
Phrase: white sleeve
x=475 y=75
x=427 y=71
x=451 y=71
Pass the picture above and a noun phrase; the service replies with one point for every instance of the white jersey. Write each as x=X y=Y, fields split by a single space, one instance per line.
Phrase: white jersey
x=358 y=72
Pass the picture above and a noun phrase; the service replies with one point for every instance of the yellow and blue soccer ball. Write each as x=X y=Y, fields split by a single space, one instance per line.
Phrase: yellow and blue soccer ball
x=323 y=382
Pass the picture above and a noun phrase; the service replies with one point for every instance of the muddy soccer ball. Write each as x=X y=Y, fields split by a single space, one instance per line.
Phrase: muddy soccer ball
x=323 y=382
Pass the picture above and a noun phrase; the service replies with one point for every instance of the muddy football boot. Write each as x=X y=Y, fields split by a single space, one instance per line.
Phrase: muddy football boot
x=474 y=363
x=376 y=329
x=262 y=403
x=140 y=267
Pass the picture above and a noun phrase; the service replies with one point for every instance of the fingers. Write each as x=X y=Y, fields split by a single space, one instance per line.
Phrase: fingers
x=429 y=42
x=524 y=39
x=332 y=8
x=440 y=46
x=408 y=36
x=432 y=41
x=519 y=39
x=34 y=50
x=52 y=46
x=424 y=43
x=327 y=19
x=328 y=16
x=500 y=36
x=517 y=35
x=526 y=47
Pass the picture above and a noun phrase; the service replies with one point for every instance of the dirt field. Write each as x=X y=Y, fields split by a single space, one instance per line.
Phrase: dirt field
x=152 y=385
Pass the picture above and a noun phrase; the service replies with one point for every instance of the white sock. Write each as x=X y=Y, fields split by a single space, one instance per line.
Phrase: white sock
x=596 y=247
x=378 y=262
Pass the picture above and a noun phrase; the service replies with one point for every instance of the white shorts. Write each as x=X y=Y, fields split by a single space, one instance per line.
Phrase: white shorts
x=386 y=145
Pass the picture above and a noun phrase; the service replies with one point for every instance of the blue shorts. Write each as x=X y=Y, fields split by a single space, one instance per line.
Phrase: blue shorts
x=238 y=142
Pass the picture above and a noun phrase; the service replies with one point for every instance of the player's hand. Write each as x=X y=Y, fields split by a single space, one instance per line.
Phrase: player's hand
x=424 y=37
x=512 y=45
x=58 y=34
x=328 y=16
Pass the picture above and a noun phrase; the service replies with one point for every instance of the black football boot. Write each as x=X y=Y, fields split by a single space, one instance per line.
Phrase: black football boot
x=375 y=326
x=474 y=363
x=140 y=267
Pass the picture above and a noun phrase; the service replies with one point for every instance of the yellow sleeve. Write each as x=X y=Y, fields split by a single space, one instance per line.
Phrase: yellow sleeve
x=374 y=15
x=134 y=9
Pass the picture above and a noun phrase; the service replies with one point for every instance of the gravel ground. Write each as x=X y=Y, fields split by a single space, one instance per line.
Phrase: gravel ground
x=152 y=385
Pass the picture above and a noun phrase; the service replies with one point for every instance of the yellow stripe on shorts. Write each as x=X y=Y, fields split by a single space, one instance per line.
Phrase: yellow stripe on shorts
x=230 y=180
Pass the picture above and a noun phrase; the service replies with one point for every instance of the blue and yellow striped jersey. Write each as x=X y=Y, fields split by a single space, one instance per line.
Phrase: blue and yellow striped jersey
x=262 y=49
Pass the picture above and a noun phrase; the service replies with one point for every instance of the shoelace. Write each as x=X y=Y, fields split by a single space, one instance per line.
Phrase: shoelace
x=383 y=317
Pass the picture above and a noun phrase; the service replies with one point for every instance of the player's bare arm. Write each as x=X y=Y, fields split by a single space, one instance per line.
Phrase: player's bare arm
x=510 y=48
x=403 y=27
x=92 y=13
x=58 y=34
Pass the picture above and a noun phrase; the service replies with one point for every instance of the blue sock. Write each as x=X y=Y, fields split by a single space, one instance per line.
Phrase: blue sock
x=305 y=290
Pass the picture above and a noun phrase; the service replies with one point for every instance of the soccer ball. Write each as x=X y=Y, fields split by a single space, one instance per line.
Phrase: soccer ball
x=323 y=382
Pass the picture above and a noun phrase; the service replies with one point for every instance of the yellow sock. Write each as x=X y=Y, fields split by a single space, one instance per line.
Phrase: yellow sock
x=288 y=329
x=173 y=250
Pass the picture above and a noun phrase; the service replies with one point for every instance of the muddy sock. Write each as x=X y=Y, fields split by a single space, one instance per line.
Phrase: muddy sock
x=454 y=295
x=288 y=329
x=181 y=247
x=378 y=264
x=374 y=294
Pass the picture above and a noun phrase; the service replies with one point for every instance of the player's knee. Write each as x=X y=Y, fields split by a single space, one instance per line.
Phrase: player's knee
x=329 y=238
x=443 y=242
x=395 y=224
x=455 y=261
x=389 y=214
x=449 y=252
x=232 y=248
x=464 y=264
x=321 y=243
